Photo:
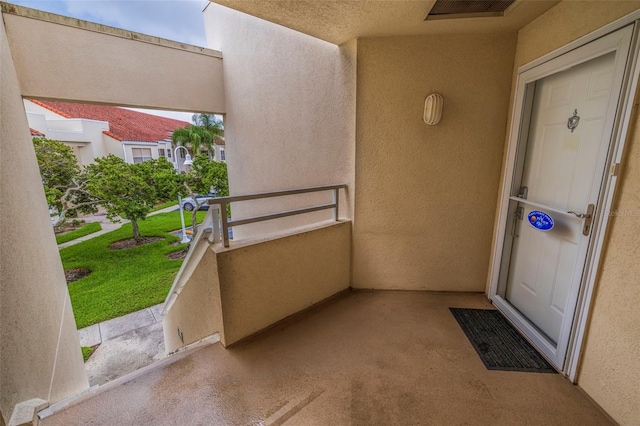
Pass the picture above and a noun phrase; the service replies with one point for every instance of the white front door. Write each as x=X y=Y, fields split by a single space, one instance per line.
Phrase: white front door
x=562 y=173
x=557 y=178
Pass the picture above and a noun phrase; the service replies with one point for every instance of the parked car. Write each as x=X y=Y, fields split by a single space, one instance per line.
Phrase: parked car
x=189 y=203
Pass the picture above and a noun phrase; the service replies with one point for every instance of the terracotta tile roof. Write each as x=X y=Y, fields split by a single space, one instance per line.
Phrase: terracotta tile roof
x=124 y=124
x=34 y=132
x=113 y=135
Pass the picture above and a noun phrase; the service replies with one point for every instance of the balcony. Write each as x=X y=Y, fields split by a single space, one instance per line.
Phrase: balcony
x=420 y=215
x=293 y=343
x=363 y=357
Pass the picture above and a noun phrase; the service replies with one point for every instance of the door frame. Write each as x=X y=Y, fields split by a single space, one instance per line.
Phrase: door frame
x=519 y=127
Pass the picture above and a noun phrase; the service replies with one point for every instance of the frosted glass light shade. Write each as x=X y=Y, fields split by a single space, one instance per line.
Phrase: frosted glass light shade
x=433 y=109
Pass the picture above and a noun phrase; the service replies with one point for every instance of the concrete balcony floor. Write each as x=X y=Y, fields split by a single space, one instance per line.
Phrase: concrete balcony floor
x=364 y=358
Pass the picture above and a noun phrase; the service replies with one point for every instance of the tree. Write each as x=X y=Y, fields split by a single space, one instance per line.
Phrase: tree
x=203 y=133
x=63 y=180
x=162 y=175
x=194 y=137
x=204 y=176
x=126 y=190
x=211 y=124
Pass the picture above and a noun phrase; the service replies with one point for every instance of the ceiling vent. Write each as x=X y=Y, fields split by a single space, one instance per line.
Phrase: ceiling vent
x=450 y=9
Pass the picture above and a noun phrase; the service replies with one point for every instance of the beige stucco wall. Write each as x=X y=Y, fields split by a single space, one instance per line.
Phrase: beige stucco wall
x=63 y=60
x=39 y=345
x=196 y=310
x=290 y=122
x=425 y=197
x=263 y=282
x=610 y=367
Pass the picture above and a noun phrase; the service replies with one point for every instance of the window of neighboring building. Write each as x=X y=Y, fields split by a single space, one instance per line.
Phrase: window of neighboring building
x=141 y=154
x=222 y=157
x=168 y=153
x=161 y=152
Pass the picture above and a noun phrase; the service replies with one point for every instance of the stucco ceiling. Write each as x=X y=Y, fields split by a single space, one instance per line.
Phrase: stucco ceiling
x=338 y=21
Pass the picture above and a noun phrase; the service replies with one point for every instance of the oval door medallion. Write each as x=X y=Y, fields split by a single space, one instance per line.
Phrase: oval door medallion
x=540 y=220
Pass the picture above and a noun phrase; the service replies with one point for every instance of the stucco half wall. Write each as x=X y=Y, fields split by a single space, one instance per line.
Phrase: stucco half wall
x=39 y=345
x=290 y=122
x=253 y=284
x=264 y=282
x=57 y=57
x=425 y=199
x=194 y=313
x=610 y=366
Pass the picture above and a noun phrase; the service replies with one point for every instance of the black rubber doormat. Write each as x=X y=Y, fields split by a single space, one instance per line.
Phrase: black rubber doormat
x=498 y=344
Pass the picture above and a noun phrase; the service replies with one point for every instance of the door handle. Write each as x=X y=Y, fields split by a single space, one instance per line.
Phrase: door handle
x=580 y=215
x=588 y=216
x=517 y=214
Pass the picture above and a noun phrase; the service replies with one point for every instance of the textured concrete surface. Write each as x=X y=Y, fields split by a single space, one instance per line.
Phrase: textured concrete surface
x=118 y=326
x=367 y=358
x=125 y=354
x=97 y=333
x=90 y=336
x=156 y=311
x=127 y=344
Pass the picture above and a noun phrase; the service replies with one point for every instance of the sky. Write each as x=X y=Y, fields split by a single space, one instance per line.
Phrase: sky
x=179 y=20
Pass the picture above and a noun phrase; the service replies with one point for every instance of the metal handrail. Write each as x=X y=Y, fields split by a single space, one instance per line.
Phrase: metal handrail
x=226 y=223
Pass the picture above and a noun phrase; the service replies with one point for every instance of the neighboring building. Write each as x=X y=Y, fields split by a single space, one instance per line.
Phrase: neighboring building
x=220 y=154
x=99 y=130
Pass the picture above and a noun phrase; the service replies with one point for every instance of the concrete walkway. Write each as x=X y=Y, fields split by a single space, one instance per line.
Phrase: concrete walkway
x=107 y=225
x=127 y=344
x=98 y=333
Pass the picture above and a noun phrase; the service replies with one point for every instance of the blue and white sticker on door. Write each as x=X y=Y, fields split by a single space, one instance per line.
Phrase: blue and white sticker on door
x=540 y=220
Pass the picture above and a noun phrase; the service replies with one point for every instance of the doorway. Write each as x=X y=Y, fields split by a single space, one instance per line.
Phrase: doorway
x=560 y=156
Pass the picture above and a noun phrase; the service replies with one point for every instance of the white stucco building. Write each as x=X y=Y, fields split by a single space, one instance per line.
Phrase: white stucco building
x=99 y=130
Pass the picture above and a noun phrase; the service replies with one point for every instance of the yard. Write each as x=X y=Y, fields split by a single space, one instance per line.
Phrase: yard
x=126 y=280
x=83 y=230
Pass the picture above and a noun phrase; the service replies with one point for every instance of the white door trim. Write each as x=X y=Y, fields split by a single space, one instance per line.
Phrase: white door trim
x=531 y=72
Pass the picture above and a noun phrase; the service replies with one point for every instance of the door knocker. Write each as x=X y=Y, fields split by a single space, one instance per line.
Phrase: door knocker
x=572 y=123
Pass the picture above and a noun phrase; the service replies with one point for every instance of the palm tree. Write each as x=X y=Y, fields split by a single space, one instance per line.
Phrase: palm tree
x=211 y=123
x=195 y=137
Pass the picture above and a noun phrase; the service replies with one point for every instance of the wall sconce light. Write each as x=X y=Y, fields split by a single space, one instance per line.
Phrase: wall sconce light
x=433 y=109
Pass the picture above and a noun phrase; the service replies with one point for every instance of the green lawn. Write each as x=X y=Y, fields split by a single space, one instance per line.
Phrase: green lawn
x=123 y=281
x=164 y=205
x=87 y=229
x=86 y=352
